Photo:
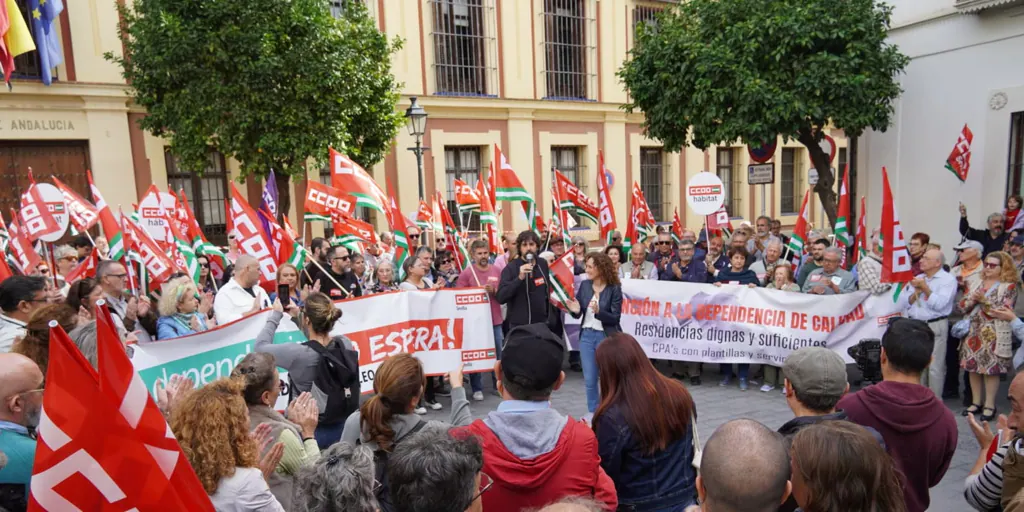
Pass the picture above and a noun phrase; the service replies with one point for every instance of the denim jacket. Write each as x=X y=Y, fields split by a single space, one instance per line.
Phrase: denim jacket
x=663 y=481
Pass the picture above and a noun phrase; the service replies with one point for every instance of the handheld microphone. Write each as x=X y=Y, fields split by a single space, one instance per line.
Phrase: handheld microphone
x=529 y=256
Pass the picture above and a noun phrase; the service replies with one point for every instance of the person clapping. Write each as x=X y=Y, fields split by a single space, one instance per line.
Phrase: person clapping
x=182 y=310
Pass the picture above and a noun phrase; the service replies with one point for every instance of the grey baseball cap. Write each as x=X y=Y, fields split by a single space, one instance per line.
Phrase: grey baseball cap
x=816 y=371
x=970 y=244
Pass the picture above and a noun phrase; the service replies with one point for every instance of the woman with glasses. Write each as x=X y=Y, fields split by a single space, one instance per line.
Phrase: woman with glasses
x=986 y=352
x=263 y=387
x=206 y=281
x=341 y=480
x=579 y=252
x=384 y=278
x=317 y=319
x=288 y=275
x=182 y=310
x=444 y=267
x=67 y=259
x=415 y=275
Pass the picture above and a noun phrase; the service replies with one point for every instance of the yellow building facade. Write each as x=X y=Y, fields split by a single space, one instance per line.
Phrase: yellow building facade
x=536 y=77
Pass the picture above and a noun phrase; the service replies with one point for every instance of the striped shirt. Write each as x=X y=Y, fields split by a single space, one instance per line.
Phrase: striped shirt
x=983 y=490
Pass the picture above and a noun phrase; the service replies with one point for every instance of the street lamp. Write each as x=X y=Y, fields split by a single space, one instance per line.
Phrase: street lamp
x=417 y=118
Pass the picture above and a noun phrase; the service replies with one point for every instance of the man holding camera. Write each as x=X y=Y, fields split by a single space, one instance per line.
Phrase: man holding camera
x=932 y=303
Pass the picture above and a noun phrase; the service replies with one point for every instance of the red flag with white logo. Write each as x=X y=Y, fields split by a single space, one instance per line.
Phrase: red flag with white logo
x=896 y=263
x=252 y=240
x=158 y=264
x=82 y=214
x=606 y=210
x=36 y=218
x=87 y=268
x=677 y=226
x=563 y=280
x=959 y=161
x=25 y=255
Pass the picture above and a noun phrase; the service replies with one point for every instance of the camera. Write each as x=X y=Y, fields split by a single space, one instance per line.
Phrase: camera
x=867 y=354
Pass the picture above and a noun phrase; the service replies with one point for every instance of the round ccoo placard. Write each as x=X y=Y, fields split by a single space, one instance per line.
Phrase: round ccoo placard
x=705 y=193
x=55 y=203
x=151 y=216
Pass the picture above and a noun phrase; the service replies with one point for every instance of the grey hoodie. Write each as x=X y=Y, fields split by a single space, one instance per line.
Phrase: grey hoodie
x=403 y=423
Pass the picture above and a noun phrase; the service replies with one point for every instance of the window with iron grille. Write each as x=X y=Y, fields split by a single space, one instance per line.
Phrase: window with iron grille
x=338 y=7
x=205 y=193
x=1015 y=162
x=462 y=163
x=730 y=176
x=569 y=49
x=644 y=14
x=652 y=181
x=464 y=47
x=791 y=189
x=27 y=64
x=567 y=160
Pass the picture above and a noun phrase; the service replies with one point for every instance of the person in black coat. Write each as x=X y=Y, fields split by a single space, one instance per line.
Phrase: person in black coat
x=599 y=303
x=524 y=284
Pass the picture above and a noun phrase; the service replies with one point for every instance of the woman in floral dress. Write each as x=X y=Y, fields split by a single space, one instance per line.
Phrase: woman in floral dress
x=985 y=352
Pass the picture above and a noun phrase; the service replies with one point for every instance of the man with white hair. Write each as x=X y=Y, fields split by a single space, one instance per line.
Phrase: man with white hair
x=932 y=303
x=761 y=238
x=991 y=239
x=869 y=270
x=241 y=295
x=765 y=267
x=830 y=279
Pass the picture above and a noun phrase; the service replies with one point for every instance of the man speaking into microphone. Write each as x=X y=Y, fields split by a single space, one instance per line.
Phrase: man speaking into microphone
x=524 y=284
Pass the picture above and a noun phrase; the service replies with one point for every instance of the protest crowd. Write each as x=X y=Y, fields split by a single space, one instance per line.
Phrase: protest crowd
x=74 y=314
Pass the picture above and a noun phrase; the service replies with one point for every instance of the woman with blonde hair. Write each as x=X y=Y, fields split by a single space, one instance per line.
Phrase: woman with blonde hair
x=288 y=275
x=388 y=416
x=986 y=352
x=181 y=311
x=212 y=427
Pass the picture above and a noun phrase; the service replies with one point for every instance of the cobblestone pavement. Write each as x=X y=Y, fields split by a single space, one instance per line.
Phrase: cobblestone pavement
x=717 y=405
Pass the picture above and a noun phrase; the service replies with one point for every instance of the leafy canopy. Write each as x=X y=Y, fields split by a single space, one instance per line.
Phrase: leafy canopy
x=751 y=70
x=270 y=83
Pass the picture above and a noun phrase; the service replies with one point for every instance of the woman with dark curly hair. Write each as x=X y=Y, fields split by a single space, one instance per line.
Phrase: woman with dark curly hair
x=212 y=427
x=602 y=293
x=82 y=297
x=36 y=343
x=838 y=465
x=617 y=256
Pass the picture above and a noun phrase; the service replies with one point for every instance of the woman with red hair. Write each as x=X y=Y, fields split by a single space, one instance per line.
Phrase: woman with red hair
x=644 y=426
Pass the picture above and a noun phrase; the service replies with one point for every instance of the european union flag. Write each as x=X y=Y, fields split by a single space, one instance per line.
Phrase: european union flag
x=44 y=13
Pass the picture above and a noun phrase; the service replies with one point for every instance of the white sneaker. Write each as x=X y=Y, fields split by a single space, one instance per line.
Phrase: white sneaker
x=478 y=396
x=434 y=405
x=420 y=410
x=767 y=387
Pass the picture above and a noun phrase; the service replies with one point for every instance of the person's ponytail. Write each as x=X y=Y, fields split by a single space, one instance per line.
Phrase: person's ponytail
x=399 y=381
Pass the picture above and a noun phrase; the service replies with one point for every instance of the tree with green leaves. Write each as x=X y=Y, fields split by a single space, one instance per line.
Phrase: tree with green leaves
x=269 y=83
x=720 y=71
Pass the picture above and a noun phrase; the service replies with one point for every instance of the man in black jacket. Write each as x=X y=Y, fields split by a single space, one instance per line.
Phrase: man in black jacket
x=524 y=284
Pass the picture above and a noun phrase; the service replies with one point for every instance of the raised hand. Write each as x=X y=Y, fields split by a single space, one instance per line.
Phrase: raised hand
x=304 y=412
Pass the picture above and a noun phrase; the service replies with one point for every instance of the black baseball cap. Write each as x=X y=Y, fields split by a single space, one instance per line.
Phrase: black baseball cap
x=532 y=357
x=1018 y=240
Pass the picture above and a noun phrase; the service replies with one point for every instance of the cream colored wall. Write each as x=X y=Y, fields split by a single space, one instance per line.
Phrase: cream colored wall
x=93 y=25
x=516 y=25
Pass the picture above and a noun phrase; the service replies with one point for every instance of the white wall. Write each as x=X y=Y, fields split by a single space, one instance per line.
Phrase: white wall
x=959 y=62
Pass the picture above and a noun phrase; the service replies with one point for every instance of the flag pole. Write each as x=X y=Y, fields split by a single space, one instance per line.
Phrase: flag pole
x=329 y=276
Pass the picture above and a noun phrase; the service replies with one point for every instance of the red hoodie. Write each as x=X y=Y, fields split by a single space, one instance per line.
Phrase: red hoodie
x=918 y=429
x=572 y=468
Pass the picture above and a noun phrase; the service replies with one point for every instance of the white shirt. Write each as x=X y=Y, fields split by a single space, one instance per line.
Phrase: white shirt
x=233 y=302
x=9 y=330
x=245 y=491
x=590 y=320
x=940 y=302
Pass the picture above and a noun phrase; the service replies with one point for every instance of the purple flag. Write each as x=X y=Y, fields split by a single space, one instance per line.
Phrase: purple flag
x=269 y=202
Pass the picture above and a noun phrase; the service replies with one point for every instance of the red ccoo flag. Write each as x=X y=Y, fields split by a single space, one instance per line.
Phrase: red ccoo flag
x=959 y=161
x=606 y=210
x=896 y=263
x=36 y=218
x=87 y=268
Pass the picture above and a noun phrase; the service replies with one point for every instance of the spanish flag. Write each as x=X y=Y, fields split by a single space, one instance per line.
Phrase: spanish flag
x=16 y=37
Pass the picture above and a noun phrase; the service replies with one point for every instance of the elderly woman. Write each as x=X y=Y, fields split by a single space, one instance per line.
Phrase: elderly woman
x=341 y=480
x=67 y=259
x=181 y=312
x=212 y=427
x=579 y=251
x=384 y=278
x=985 y=353
x=445 y=268
x=296 y=433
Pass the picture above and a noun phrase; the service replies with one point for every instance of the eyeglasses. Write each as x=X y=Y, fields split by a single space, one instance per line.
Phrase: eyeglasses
x=118 y=276
x=342 y=258
x=69 y=258
x=445 y=262
x=579 y=244
x=485 y=485
x=662 y=243
x=204 y=265
x=991 y=265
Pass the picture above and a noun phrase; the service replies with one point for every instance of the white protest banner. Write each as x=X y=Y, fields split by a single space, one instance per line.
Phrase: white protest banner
x=441 y=328
x=736 y=324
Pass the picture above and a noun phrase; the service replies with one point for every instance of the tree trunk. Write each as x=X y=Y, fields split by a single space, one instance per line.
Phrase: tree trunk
x=826 y=180
x=284 y=194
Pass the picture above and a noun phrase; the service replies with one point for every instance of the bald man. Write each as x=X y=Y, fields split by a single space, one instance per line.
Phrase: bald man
x=21 y=403
x=744 y=468
x=241 y=296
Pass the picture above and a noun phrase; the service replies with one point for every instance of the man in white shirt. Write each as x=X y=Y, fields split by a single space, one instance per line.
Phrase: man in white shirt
x=20 y=296
x=241 y=296
x=932 y=302
x=762 y=238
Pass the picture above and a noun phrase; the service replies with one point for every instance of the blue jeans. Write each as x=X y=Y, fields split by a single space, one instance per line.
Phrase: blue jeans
x=589 y=340
x=744 y=369
x=326 y=435
x=476 y=379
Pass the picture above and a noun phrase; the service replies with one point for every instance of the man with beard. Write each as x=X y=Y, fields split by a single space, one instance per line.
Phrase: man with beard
x=524 y=284
x=715 y=260
x=991 y=239
x=777 y=232
x=817 y=258
x=482 y=274
x=341 y=271
x=761 y=239
x=21 y=402
x=765 y=267
x=318 y=249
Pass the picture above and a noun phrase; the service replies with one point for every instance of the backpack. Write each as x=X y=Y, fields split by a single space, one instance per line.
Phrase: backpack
x=380 y=465
x=336 y=383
